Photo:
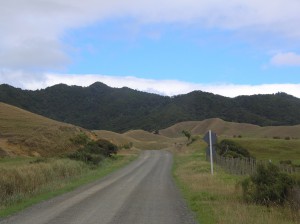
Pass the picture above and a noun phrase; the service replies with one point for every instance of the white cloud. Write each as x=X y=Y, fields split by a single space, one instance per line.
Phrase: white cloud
x=27 y=26
x=286 y=59
x=162 y=87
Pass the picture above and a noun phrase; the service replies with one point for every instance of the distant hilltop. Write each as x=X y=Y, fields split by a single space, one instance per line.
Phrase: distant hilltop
x=120 y=109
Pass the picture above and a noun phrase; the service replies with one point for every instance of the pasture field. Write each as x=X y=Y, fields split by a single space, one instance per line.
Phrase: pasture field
x=218 y=198
x=275 y=150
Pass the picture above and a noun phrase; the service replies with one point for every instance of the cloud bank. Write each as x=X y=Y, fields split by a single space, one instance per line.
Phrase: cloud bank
x=162 y=87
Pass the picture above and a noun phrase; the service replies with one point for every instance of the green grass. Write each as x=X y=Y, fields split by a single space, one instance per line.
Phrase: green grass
x=218 y=198
x=62 y=186
x=196 y=201
x=272 y=149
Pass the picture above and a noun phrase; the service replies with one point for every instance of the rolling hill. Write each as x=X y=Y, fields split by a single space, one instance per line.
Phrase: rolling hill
x=23 y=133
x=139 y=139
x=100 y=107
x=231 y=129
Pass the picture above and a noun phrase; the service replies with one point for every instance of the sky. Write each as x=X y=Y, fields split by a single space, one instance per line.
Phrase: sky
x=231 y=48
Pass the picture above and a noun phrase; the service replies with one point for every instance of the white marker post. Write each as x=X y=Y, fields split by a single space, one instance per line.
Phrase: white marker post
x=211 y=154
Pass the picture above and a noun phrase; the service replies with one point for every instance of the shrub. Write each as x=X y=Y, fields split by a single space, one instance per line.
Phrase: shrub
x=232 y=154
x=127 y=146
x=94 y=152
x=87 y=157
x=267 y=186
x=229 y=148
x=193 y=139
x=156 y=132
x=103 y=147
x=80 y=139
x=39 y=160
x=186 y=134
x=285 y=162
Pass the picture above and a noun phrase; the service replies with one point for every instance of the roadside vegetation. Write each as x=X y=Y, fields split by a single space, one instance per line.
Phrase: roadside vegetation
x=25 y=181
x=220 y=199
x=229 y=148
x=92 y=152
x=268 y=186
x=17 y=183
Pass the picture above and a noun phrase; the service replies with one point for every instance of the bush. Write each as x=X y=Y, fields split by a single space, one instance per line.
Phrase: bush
x=285 y=162
x=87 y=157
x=186 y=134
x=156 y=132
x=229 y=148
x=80 y=139
x=94 y=151
x=127 y=146
x=232 y=154
x=102 y=147
x=193 y=139
x=267 y=186
x=39 y=160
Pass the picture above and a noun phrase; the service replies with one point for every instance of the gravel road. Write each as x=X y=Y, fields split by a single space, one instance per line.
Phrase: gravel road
x=141 y=193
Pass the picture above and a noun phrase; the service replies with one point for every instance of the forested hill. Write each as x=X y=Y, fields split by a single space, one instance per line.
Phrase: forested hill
x=119 y=109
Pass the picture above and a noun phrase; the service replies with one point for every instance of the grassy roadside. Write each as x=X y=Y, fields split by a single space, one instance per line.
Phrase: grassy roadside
x=62 y=185
x=218 y=198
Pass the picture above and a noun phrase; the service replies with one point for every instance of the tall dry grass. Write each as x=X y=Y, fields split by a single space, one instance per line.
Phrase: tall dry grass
x=26 y=180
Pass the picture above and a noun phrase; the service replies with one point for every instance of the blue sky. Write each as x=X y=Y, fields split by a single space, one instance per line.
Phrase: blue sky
x=168 y=52
x=167 y=47
x=162 y=52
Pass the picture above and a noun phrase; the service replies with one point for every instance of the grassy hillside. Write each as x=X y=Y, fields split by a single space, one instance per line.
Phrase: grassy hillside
x=116 y=138
x=141 y=135
x=26 y=180
x=26 y=134
x=139 y=139
x=230 y=129
x=23 y=133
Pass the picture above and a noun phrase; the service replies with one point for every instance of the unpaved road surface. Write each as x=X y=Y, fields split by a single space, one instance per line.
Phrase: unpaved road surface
x=141 y=193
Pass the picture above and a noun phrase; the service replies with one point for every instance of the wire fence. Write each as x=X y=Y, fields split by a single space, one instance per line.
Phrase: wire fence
x=246 y=166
